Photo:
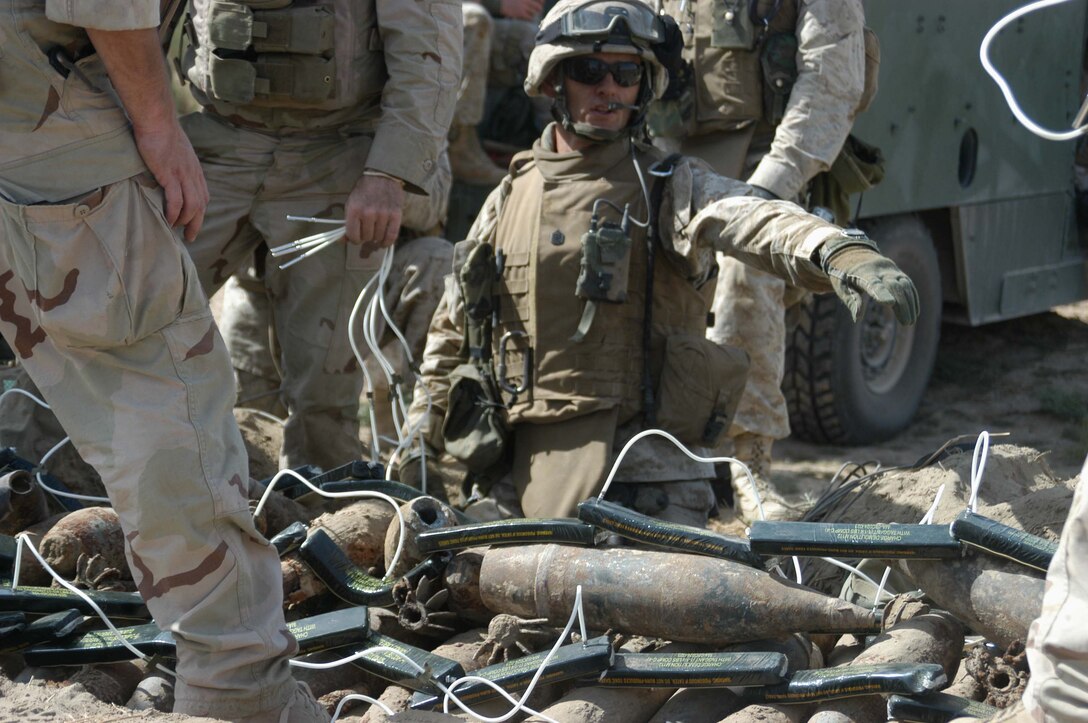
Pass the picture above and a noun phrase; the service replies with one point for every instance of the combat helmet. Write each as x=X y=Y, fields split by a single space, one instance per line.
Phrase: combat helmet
x=581 y=27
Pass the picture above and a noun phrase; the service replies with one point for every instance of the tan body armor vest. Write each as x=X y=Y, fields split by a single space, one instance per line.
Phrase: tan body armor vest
x=728 y=77
x=312 y=54
x=538 y=235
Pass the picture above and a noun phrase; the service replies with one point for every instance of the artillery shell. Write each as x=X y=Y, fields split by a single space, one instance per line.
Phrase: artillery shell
x=90 y=531
x=359 y=530
x=916 y=635
x=22 y=502
x=695 y=705
x=674 y=596
x=607 y=705
x=462 y=579
x=767 y=713
x=422 y=514
x=994 y=597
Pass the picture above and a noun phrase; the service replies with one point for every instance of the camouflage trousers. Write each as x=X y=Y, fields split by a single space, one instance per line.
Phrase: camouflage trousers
x=255 y=180
x=411 y=294
x=496 y=53
x=1057 y=640
x=102 y=305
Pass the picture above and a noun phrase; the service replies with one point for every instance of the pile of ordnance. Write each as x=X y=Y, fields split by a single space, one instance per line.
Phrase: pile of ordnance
x=662 y=622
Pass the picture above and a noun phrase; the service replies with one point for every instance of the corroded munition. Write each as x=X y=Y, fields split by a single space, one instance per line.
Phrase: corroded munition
x=697 y=705
x=668 y=595
x=914 y=634
x=422 y=514
x=358 y=529
x=462 y=578
x=767 y=713
x=91 y=531
x=22 y=502
x=995 y=598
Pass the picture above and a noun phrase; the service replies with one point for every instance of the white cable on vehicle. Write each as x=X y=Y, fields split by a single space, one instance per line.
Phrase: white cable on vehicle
x=362 y=494
x=21 y=540
x=1014 y=106
x=978 y=466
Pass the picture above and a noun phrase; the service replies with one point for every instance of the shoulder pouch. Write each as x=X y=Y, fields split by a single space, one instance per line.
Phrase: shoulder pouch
x=475 y=429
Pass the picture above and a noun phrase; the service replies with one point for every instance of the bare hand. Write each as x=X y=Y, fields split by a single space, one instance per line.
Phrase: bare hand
x=172 y=161
x=373 y=211
x=520 y=9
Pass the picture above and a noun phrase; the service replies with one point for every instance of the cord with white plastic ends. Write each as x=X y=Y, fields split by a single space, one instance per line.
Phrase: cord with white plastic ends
x=58 y=493
x=1014 y=106
x=21 y=540
x=375 y=444
x=880 y=587
x=931 y=513
x=361 y=494
x=686 y=451
x=359 y=696
x=16 y=390
x=576 y=613
x=856 y=571
x=978 y=466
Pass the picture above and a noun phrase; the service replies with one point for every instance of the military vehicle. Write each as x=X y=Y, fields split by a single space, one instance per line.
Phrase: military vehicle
x=975 y=208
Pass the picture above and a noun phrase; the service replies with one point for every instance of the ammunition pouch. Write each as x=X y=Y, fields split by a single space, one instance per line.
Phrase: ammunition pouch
x=475 y=429
x=477 y=278
x=271 y=56
x=700 y=387
x=778 y=60
x=858 y=167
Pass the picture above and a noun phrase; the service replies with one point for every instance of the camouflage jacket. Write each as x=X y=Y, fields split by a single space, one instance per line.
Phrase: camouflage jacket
x=822 y=103
x=701 y=213
x=61 y=137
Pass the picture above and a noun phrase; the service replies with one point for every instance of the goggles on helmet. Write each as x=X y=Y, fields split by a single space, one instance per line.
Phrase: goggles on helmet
x=604 y=18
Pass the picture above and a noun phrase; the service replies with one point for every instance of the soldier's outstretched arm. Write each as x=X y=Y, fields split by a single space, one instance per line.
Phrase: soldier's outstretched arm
x=134 y=62
x=708 y=211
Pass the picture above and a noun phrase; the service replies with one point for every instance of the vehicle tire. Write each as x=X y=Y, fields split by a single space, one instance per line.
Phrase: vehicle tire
x=848 y=383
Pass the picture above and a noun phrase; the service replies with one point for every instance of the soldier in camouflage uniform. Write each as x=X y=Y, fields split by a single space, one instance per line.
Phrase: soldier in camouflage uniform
x=102 y=305
x=777 y=141
x=498 y=40
x=335 y=109
x=580 y=372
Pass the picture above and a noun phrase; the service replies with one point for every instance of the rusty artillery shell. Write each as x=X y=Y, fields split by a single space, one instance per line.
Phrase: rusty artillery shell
x=22 y=502
x=995 y=598
x=697 y=705
x=914 y=634
x=90 y=531
x=768 y=713
x=422 y=514
x=462 y=579
x=358 y=529
x=669 y=595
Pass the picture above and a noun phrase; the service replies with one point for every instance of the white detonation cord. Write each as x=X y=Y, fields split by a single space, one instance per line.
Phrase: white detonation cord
x=984 y=57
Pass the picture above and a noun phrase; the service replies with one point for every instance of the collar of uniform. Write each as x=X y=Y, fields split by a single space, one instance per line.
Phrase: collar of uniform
x=594 y=162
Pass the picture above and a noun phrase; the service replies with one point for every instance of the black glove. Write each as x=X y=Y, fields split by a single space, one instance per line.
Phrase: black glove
x=857 y=268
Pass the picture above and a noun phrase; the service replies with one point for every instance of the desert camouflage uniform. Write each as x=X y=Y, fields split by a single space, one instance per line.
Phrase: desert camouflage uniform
x=739 y=142
x=564 y=442
x=275 y=156
x=1057 y=640
x=103 y=307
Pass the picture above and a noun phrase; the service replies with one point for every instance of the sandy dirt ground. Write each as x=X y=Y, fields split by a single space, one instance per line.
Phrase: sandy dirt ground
x=1026 y=377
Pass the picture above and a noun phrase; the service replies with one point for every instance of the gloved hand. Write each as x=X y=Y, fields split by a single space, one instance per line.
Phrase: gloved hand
x=858 y=268
x=764 y=193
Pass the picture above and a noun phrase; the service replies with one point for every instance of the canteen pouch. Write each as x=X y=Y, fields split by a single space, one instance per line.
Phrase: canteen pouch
x=475 y=429
x=700 y=387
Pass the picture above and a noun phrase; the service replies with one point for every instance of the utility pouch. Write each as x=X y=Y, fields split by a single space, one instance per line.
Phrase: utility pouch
x=302 y=30
x=475 y=429
x=670 y=116
x=700 y=388
x=732 y=27
x=477 y=280
x=858 y=167
x=275 y=79
x=778 y=59
x=602 y=276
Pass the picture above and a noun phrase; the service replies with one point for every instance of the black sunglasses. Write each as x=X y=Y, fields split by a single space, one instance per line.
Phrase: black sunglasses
x=591 y=71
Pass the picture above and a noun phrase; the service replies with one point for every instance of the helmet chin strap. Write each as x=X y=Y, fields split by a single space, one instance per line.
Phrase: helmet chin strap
x=561 y=113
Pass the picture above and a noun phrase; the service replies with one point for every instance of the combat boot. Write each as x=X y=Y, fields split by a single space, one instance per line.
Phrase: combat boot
x=468 y=160
x=755 y=451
